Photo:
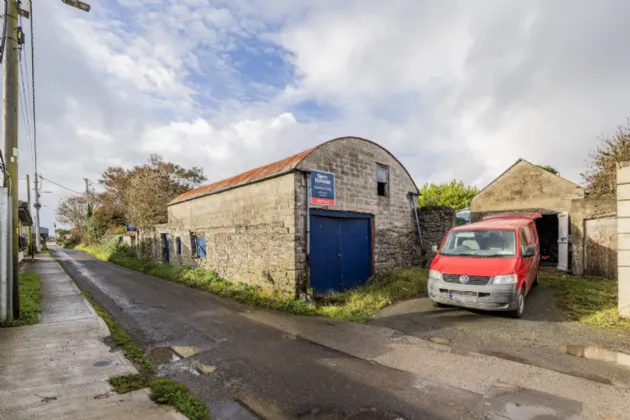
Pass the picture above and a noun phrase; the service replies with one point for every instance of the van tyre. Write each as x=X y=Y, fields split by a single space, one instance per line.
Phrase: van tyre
x=520 y=305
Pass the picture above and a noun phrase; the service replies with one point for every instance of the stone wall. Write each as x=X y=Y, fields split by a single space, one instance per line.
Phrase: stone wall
x=525 y=186
x=435 y=222
x=354 y=162
x=585 y=253
x=249 y=232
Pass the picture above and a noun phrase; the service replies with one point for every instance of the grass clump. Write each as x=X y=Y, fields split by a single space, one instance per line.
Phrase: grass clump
x=127 y=383
x=167 y=391
x=588 y=300
x=30 y=287
x=358 y=305
x=122 y=340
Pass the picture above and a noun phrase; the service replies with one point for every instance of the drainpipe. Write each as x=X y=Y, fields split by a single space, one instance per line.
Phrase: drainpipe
x=414 y=198
x=307 y=175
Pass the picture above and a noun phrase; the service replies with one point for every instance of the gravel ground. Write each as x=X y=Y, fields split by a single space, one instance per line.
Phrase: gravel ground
x=539 y=339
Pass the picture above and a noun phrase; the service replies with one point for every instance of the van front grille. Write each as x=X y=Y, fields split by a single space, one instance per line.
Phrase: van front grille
x=472 y=280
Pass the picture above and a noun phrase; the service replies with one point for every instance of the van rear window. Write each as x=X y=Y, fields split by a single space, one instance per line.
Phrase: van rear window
x=480 y=243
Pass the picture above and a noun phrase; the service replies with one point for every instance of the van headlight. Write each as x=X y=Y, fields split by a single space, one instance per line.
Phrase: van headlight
x=435 y=275
x=505 y=279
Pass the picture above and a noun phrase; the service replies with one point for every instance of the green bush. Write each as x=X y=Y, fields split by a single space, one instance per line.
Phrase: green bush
x=29 y=301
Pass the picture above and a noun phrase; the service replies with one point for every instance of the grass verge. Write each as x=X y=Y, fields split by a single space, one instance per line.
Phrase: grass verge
x=358 y=305
x=122 y=340
x=167 y=391
x=163 y=391
x=588 y=300
x=29 y=299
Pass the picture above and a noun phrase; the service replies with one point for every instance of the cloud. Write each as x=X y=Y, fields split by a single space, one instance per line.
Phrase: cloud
x=454 y=89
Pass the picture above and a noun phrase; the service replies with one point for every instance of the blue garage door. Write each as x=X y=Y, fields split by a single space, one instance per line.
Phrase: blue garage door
x=341 y=250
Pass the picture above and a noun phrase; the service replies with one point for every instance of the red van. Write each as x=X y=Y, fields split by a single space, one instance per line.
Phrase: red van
x=489 y=265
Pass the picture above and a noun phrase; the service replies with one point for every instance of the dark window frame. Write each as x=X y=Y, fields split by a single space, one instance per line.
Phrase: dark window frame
x=178 y=245
x=382 y=188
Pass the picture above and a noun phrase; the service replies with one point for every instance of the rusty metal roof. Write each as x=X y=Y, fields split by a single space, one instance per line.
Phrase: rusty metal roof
x=282 y=166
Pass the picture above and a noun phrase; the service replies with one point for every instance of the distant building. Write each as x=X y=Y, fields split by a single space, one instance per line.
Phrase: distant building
x=25 y=221
x=324 y=219
x=576 y=233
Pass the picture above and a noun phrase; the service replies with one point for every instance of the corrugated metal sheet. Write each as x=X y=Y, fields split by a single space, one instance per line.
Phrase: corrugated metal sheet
x=256 y=174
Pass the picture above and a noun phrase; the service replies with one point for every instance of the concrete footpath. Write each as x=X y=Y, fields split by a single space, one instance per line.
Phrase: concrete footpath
x=546 y=393
x=59 y=368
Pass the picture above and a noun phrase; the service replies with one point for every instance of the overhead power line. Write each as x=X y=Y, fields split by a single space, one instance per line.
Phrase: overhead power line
x=59 y=185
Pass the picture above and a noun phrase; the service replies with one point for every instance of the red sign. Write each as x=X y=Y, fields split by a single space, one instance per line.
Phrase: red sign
x=323 y=201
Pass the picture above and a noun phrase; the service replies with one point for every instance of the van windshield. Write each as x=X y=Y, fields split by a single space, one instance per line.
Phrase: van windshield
x=480 y=243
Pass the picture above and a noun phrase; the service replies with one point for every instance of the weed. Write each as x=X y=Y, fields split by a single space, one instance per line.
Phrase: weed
x=167 y=391
x=127 y=383
x=589 y=300
x=358 y=305
x=29 y=299
x=122 y=340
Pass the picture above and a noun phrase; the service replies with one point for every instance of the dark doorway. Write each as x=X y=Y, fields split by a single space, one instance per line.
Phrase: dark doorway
x=547 y=228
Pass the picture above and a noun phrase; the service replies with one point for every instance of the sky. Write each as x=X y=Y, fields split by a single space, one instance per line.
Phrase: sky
x=454 y=89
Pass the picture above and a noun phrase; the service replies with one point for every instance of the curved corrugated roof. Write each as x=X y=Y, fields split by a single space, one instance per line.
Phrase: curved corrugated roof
x=256 y=174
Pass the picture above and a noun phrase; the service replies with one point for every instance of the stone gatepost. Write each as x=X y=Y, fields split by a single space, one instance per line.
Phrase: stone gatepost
x=623 y=237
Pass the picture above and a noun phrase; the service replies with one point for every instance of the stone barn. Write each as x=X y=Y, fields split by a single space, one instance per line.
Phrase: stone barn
x=527 y=187
x=325 y=220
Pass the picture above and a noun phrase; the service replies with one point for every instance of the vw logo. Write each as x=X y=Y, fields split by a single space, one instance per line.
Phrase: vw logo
x=464 y=279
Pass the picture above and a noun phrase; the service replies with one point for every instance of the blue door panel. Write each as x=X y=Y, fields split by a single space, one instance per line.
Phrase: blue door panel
x=356 y=255
x=325 y=267
x=341 y=252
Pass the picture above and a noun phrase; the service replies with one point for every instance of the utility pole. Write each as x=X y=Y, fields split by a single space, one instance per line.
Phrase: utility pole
x=38 y=245
x=10 y=91
x=30 y=228
x=88 y=211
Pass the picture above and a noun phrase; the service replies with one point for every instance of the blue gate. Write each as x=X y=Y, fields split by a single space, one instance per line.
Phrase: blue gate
x=341 y=250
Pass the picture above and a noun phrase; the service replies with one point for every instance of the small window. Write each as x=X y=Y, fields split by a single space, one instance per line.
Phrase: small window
x=382 y=180
x=178 y=244
x=193 y=245
x=523 y=241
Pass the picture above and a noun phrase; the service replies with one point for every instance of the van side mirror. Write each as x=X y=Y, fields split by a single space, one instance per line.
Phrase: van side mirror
x=530 y=251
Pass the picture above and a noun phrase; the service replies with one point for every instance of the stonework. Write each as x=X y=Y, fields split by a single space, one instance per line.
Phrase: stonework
x=435 y=222
x=354 y=162
x=249 y=232
x=256 y=233
x=581 y=212
x=525 y=187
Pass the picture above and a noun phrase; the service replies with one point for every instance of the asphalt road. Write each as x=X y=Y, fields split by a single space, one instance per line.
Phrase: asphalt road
x=252 y=361
x=540 y=338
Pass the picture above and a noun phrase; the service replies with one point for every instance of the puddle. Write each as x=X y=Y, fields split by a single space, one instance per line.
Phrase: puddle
x=231 y=411
x=598 y=353
x=162 y=355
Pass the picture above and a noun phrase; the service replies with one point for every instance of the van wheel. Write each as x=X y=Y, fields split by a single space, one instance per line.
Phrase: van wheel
x=520 y=308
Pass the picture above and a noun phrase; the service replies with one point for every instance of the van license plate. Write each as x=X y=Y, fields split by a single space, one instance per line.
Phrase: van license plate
x=463 y=298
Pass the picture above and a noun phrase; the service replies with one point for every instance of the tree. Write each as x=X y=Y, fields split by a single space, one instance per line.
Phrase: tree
x=601 y=168
x=150 y=187
x=453 y=194
x=549 y=169
x=73 y=211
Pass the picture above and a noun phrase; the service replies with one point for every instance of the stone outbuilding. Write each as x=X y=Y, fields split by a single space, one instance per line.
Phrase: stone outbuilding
x=325 y=219
x=577 y=233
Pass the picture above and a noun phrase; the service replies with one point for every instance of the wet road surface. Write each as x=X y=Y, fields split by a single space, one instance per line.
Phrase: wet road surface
x=542 y=338
x=246 y=361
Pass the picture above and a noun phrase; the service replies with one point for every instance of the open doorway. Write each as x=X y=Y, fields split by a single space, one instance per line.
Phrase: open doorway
x=547 y=227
